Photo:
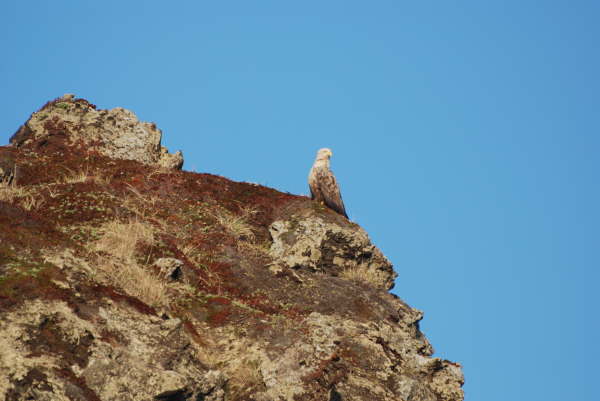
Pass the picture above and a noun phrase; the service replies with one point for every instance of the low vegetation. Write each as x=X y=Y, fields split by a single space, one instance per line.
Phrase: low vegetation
x=120 y=264
x=235 y=224
x=362 y=274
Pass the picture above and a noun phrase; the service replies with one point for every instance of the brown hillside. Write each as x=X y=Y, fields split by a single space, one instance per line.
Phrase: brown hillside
x=124 y=278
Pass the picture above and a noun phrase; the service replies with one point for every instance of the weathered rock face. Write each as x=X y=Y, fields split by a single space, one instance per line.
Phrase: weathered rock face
x=394 y=363
x=49 y=351
x=310 y=242
x=126 y=282
x=115 y=133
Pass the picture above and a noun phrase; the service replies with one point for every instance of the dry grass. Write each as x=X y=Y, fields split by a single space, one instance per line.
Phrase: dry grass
x=239 y=227
x=159 y=170
x=363 y=275
x=23 y=196
x=121 y=239
x=84 y=175
x=236 y=225
x=245 y=378
x=101 y=179
x=260 y=250
x=75 y=176
x=136 y=281
x=31 y=202
x=141 y=205
x=9 y=191
x=192 y=252
x=200 y=258
x=52 y=192
x=122 y=269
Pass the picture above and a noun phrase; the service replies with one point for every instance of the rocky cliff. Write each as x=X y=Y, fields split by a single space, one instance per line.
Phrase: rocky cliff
x=124 y=278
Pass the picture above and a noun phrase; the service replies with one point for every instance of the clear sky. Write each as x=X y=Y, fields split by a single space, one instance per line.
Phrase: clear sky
x=465 y=138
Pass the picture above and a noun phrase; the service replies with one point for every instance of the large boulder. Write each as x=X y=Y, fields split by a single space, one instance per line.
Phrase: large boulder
x=310 y=242
x=116 y=133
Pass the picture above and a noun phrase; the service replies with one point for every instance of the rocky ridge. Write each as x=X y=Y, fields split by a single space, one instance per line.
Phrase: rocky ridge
x=124 y=278
x=115 y=133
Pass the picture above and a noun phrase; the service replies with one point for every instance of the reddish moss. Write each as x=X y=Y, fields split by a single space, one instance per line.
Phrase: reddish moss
x=23 y=229
x=219 y=317
x=218 y=311
x=110 y=293
x=296 y=313
x=191 y=330
x=262 y=303
x=219 y=301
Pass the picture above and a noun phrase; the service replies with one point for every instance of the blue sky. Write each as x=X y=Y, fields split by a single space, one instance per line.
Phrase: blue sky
x=465 y=138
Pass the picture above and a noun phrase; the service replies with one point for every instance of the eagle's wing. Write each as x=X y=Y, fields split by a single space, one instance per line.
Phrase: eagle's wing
x=331 y=191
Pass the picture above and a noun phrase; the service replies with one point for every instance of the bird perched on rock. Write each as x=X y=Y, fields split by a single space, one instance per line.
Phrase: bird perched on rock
x=323 y=185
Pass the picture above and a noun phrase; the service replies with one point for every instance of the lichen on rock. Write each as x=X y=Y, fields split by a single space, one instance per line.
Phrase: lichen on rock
x=311 y=242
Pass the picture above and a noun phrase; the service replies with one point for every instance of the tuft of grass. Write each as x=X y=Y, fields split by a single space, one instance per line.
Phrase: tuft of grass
x=19 y=195
x=363 y=275
x=120 y=240
x=31 y=202
x=9 y=191
x=52 y=192
x=136 y=281
x=260 y=250
x=236 y=225
x=141 y=205
x=246 y=378
x=84 y=175
x=76 y=176
x=192 y=252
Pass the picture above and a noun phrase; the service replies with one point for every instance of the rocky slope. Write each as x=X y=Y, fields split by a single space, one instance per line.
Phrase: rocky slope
x=124 y=278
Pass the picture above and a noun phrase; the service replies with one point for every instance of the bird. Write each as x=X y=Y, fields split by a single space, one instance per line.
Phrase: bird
x=323 y=185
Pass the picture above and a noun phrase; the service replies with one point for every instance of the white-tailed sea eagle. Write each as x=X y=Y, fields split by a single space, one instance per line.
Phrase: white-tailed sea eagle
x=323 y=185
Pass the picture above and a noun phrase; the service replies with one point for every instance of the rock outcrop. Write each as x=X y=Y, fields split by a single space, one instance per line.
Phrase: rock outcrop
x=119 y=355
x=115 y=133
x=310 y=242
x=123 y=281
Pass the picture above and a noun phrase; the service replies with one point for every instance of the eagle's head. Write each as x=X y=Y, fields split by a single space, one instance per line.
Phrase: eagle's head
x=324 y=154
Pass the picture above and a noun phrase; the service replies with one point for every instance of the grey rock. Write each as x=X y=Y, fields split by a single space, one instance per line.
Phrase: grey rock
x=170 y=268
x=318 y=245
x=116 y=133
